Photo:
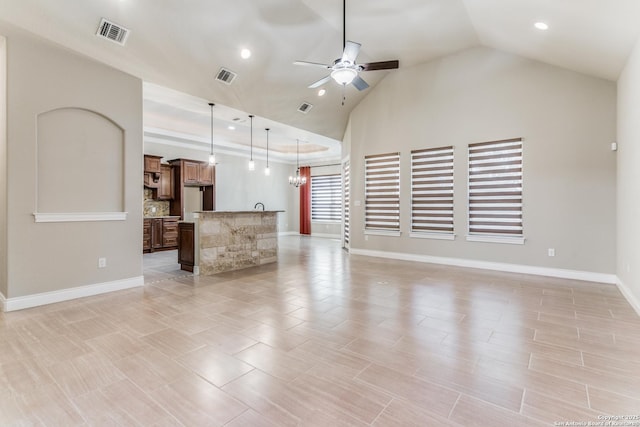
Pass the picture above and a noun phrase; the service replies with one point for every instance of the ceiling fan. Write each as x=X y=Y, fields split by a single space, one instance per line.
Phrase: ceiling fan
x=345 y=70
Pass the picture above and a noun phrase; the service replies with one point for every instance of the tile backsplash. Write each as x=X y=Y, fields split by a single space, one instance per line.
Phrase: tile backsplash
x=161 y=206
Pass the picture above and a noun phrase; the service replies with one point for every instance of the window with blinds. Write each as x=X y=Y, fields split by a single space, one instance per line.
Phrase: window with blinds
x=346 y=189
x=432 y=191
x=326 y=198
x=495 y=188
x=382 y=192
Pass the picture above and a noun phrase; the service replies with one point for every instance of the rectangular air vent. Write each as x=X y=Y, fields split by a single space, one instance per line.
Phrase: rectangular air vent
x=226 y=76
x=305 y=107
x=113 y=32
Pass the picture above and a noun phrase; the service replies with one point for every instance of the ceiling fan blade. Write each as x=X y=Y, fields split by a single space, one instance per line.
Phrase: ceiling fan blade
x=314 y=64
x=319 y=82
x=359 y=83
x=382 y=65
x=351 y=50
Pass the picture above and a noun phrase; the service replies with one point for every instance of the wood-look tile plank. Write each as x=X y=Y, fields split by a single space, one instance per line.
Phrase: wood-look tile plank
x=85 y=373
x=172 y=342
x=151 y=369
x=540 y=382
x=24 y=376
x=275 y=337
x=547 y=409
x=400 y=413
x=591 y=377
x=250 y=418
x=274 y=361
x=342 y=397
x=227 y=342
x=611 y=403
x=451 y=375
x=471 y=412
x=214 y=366
x=271 y=397
x=439 y=399
x=50 y=406
x=195 y=402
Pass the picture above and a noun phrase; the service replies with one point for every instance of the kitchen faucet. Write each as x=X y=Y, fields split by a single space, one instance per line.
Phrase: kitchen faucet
x=259 y=203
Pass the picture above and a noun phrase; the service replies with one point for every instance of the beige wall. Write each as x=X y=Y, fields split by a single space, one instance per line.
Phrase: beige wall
x=567 y=121
x=45 y=257
x=628 y=266
x=3 y=167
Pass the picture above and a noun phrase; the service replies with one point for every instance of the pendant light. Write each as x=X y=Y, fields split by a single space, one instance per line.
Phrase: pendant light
x=267 y=171
x=297 y=180
x=212 y=157
x=252 y=164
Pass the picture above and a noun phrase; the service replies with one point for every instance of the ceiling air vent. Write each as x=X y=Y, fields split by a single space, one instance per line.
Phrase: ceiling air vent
x=112 y=31
x=226 y=76
x=305 y=107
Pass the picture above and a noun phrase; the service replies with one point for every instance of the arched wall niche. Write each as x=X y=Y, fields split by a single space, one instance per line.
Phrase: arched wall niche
x=80 y=166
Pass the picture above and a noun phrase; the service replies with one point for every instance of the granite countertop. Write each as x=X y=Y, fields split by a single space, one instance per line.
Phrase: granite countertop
x=161 y=216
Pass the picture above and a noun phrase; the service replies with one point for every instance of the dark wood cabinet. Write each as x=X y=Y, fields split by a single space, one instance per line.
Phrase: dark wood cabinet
x=151 y=180
x=146 y=235
x=159 y=234
x=156 y=234
x=170 y=233
x=192 y=173
x=205 y=174
x=166 y=185
x=186 y=248
x=152 y=164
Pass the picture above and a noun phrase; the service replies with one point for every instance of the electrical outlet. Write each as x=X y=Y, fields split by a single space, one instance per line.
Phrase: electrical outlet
x=102 y=262
x=153 y=209
x=551 y=252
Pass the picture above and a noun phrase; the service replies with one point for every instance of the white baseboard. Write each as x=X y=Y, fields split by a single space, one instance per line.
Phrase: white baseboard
x=35 y=300
x=629 y=296
x=485 y=265
x=326 y=235
x=288 y=233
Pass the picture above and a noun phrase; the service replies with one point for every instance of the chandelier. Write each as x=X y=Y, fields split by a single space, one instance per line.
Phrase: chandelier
x=297 y=180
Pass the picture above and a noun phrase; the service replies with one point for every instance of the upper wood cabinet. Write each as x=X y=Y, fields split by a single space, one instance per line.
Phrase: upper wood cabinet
x=193 y=172
x=166 y=185
x=206 y=173
x=152 y=164
x=151 y=180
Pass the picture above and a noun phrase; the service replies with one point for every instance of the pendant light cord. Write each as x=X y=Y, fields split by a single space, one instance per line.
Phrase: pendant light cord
x=211 y=104
x=251 y=117
x=267 y=129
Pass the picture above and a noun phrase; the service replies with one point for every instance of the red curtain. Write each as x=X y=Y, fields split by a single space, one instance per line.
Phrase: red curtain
x=305 y=201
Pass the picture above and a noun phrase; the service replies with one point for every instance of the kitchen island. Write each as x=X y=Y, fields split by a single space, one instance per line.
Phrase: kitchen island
x=233 y=240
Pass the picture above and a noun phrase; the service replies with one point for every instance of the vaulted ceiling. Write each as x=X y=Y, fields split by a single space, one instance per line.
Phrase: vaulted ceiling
x=182 y=45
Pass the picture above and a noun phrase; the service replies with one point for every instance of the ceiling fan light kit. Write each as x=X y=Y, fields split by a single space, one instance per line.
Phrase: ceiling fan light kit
x=344 y=76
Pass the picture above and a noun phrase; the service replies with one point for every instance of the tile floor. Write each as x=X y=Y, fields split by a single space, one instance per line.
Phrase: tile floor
x=324 y=339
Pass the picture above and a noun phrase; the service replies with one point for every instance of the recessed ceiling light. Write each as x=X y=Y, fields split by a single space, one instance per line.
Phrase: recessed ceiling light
x=541 y=26
x=245 y=53
x=231 y=127
x=321 y=92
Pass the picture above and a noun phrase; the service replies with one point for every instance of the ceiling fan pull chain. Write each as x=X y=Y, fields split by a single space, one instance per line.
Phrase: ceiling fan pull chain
x=344 y=96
